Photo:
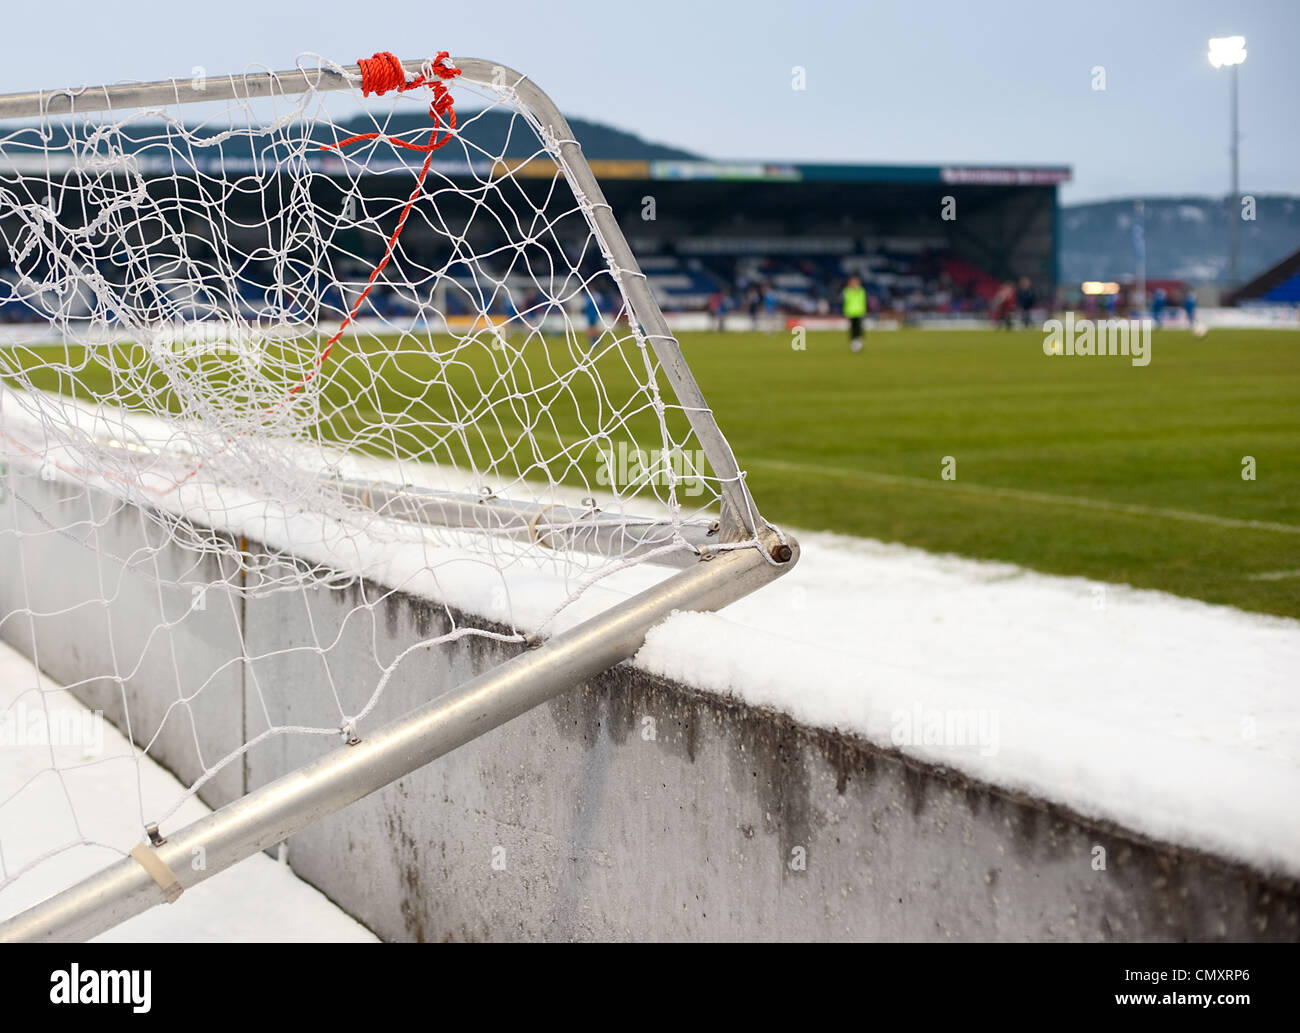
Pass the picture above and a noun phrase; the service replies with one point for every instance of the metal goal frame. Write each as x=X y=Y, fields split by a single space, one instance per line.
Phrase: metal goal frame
x=735 y=557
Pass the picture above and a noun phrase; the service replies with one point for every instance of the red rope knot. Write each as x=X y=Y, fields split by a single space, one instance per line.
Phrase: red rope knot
x=379 y=74
x=384 y=72
x=441 y=70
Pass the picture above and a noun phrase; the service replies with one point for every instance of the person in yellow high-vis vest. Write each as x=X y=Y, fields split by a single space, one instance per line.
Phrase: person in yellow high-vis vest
x=855 y=311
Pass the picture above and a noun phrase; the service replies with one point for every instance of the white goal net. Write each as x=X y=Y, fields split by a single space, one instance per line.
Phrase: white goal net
x=372 y=334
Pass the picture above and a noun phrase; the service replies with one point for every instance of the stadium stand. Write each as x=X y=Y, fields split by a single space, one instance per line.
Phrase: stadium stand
x=1277 y=285
x=725 y=237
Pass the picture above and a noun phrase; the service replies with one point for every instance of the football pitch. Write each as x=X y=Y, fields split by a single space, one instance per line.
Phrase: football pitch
x=1182 y=475
x=1079 y=465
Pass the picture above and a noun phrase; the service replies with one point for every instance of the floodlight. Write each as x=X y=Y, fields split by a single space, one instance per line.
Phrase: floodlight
x=1227 y=50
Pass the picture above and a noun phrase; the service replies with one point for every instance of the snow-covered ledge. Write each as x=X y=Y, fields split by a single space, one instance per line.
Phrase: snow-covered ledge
x=885 y=745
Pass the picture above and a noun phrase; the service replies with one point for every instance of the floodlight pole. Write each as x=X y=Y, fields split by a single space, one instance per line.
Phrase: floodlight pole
x=1234 y=212
x=1231 y=51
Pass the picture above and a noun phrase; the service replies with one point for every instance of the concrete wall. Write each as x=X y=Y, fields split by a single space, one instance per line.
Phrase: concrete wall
x=182 y=684
x=628 y=808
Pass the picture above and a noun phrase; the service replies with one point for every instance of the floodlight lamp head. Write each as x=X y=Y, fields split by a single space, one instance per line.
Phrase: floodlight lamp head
x=1227 y=50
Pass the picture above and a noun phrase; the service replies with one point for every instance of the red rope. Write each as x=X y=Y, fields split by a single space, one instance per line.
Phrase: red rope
x=379 y=74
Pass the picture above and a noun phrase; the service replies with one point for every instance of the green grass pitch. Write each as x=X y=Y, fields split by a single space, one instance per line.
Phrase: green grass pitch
x=1078 y=465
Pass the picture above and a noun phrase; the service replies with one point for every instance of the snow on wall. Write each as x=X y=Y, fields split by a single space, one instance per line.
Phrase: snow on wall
x=256 y=901
x=1174 y=718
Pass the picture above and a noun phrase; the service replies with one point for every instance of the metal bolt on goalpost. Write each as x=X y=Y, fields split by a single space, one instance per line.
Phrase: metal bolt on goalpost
x=159 y=870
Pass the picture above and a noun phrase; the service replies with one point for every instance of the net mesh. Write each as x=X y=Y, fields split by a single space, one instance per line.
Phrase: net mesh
x=280 y=346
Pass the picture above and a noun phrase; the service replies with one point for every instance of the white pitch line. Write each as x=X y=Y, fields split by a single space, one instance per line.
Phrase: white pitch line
x=1273 y=575
x=1040 y=497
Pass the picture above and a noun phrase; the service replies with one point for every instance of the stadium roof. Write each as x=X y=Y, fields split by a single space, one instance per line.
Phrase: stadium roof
x=145 y=148
x=700 y=169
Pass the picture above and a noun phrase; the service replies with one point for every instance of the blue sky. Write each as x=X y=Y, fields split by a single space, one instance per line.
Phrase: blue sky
x=919 y=81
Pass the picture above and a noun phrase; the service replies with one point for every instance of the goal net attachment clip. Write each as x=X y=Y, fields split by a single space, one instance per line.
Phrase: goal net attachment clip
x=155 y=866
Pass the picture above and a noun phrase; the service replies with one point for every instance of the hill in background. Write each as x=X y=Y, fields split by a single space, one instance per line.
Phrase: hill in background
x=492 y=130
x=1186 y=238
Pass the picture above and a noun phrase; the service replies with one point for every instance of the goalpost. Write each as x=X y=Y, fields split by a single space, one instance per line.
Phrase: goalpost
x=370 y=330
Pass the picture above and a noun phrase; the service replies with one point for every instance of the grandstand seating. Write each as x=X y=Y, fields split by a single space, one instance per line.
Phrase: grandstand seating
x=1277 y=285
x=749 y=273
x=899 y=278
x=1286 y=292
